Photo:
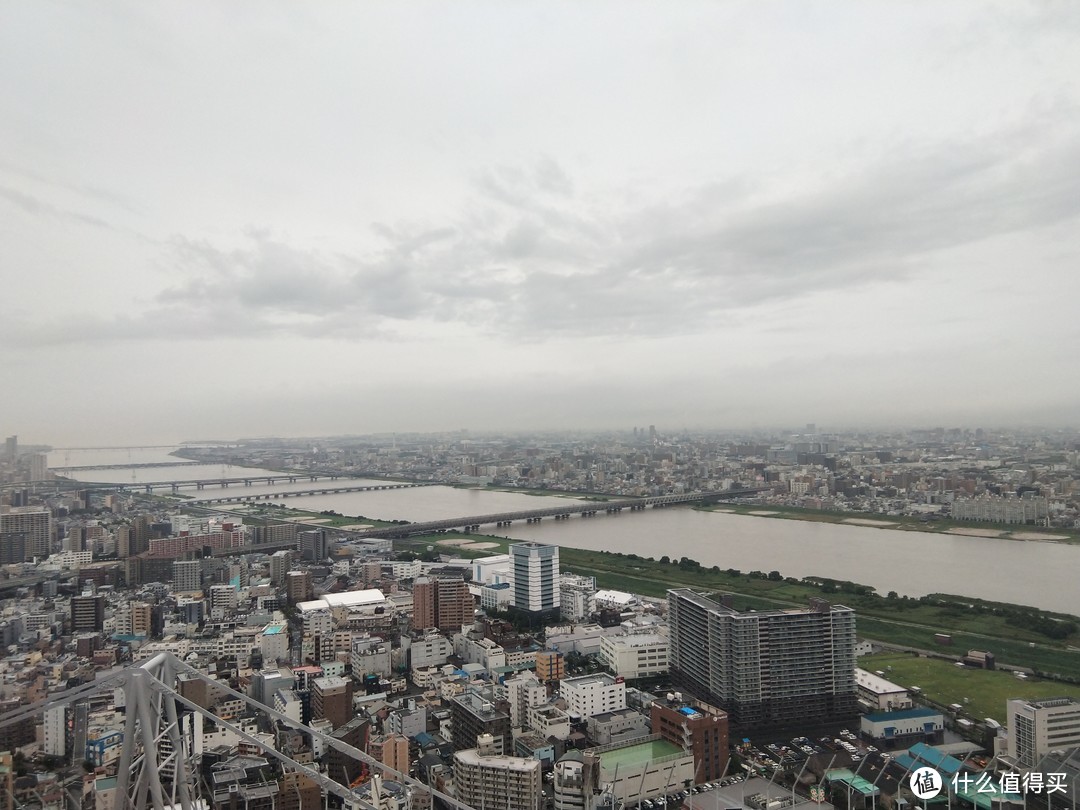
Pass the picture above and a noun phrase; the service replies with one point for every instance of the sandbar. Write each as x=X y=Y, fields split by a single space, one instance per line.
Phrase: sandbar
x=976 y=532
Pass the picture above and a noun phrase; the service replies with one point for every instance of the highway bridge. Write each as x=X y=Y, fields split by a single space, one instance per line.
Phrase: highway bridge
x=225 y=483
x=293 y=493
x=144 y=465
x=589 y=509
x=472 y=523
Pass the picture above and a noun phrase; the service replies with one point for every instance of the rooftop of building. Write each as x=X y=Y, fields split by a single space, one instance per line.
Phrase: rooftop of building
x=707 y=603
x=637 y=753
x=903 y=714
x=599 y=678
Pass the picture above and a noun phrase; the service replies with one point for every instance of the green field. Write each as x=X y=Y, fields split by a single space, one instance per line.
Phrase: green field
x=982 y=692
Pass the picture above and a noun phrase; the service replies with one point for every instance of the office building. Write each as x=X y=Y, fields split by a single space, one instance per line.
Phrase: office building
x=635 y=655
x=697 y=728
x=485 y=778
x=593 y=694
x=1037 y=727
x=441 y=601
x=35 y=525
x=769 y=668
x=535 y=568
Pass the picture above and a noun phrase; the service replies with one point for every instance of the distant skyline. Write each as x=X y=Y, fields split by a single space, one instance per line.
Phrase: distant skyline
x=309 y=220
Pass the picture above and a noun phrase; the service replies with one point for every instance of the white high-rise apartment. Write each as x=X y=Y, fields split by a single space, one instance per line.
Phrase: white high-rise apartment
x=535 y=567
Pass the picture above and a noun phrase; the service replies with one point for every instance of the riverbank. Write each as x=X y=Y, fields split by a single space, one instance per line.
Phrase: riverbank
x=967 y=528
x=1009 y=631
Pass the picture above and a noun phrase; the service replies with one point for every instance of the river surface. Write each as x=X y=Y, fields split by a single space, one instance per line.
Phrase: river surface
x=1042 y=574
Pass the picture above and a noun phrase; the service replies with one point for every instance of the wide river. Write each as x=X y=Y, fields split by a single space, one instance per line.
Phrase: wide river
x=1042 y=574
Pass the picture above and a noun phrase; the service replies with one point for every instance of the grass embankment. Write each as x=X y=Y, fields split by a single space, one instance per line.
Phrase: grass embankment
x=981 y=692
x=972 y=624
x=1008 y=531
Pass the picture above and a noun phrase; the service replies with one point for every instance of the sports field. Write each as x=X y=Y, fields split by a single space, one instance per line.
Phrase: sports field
x=982 y=692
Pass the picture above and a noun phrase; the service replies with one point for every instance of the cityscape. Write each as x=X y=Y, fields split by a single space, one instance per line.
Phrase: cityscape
x=539 y=405
x=318 y=656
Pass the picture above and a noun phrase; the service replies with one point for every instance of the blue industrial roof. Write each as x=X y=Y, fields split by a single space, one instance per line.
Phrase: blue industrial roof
x=936 y=759
x=906 y=714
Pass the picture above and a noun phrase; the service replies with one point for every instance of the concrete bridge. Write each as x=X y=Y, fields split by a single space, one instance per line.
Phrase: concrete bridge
x=292 y=493
x=145 y=465
x=587 y=510
x=474 y=522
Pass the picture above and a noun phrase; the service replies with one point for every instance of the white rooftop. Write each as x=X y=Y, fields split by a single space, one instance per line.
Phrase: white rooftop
x=354 y=598
x=616 y=597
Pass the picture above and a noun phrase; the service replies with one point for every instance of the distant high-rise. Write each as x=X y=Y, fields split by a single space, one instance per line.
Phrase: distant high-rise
x=87 y=613
x=11 y=447
x=768 y=668
x=279 y=567
x=299 y=586
x=39 y=467
x=313 y=545
x=535 y=567
x=35 y=523
x=187 y=575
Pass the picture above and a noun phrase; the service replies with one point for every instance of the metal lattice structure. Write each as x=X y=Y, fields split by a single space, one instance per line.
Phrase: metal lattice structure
x=158 y=767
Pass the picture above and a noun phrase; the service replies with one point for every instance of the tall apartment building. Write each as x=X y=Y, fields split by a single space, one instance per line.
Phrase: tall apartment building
x=478 y=712
x=223 y=601
x=87 y=613
x=524 y=691
x=550 y=665
x=299 y=586
x=279 y=567
x=313 y=545
x=485 y=778
x=35 y=525
x=187 y=576
x=392 y=750
x=593 y=694
x=331 y=699
x=770 y=668
x=1037 y=727
x=577 y=597
x=535 y=567
x=441 y=601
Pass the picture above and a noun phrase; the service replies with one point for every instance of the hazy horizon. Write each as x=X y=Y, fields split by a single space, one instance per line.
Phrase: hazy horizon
x=259 y=219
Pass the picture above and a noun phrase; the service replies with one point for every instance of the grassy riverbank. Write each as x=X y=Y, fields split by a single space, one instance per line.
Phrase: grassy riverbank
x=1012 y=633
x=1007 y=531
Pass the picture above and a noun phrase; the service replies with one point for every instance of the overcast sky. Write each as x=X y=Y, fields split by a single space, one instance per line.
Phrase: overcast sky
x=237 y=219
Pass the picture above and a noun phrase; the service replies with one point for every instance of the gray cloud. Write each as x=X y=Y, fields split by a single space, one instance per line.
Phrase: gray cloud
x=528 y=262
